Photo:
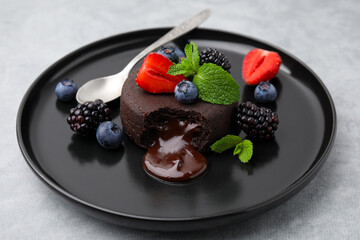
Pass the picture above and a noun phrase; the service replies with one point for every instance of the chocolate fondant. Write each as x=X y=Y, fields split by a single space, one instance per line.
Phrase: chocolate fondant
x=143 y=113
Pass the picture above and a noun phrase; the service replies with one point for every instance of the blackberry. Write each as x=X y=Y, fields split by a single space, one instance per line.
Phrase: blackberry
x=256 y=122
x=210 y=55
x=85 y=118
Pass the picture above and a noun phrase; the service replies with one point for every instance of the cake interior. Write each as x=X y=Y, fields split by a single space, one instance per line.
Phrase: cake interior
x=155 y=121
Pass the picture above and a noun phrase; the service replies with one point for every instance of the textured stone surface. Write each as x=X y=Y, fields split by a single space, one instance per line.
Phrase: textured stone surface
x=323 y=34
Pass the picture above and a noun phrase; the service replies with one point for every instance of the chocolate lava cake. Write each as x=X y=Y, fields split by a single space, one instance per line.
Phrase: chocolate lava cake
x=142 y=114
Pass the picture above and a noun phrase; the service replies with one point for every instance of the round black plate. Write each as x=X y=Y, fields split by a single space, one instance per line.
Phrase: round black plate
x=113 y=186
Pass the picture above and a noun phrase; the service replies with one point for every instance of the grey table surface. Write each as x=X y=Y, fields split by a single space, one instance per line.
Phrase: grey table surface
x=323 y=34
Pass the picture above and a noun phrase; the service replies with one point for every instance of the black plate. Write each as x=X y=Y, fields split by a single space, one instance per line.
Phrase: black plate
x=113 y=186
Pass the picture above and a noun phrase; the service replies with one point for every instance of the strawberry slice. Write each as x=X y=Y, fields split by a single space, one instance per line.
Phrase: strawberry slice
x=153 y=77
x=260 y=65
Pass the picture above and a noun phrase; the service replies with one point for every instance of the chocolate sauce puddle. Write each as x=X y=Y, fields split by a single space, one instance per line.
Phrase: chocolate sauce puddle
x=172 y=157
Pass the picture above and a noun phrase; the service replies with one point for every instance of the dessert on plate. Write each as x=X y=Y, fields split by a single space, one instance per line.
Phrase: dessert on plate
x=165 y=113
x=180 y=105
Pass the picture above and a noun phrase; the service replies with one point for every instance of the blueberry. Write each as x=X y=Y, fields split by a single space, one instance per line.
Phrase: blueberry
x=186 y=92
x=180 y=53
x=265 y=92
x=66 y=90
x=173 y=54
x=109 y=135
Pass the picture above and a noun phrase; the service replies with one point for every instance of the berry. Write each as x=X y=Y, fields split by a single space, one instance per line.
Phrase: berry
x=265 y=92
x=85 y=118
x=173 y=54
x=210 y=55
x=180 y=53
x=260 y=65
x=256 y=122
x=153 y=77
x=109 y=135
x=186 y=92
x=66 y=90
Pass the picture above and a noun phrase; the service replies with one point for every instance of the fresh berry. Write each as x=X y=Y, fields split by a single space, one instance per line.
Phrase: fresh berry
x=180 y=53
x=109 y=135
x=66 y=90
x=210 y=55
x=186 y=92
x=256 y=122
x=173 y=54
x=153 y=77
x=265 y=92
x=260 y=66
x=85 y=118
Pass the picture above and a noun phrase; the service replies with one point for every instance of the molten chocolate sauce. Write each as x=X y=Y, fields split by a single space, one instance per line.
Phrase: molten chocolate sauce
x=172 y=157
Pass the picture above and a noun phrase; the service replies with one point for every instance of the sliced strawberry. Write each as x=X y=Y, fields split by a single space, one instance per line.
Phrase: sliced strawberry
x=153 y=77
x=260 y=65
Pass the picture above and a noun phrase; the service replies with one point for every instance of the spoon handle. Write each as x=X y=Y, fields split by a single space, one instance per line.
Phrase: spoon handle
x=174 y=33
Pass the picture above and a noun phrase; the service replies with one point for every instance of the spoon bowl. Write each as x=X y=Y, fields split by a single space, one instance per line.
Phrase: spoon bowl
x=105 y=88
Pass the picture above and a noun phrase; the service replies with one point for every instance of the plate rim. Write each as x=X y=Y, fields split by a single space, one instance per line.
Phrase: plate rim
x=270 y=203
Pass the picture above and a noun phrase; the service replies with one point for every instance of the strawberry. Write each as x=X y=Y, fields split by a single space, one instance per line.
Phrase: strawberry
x=260 y=65
x=153 y=77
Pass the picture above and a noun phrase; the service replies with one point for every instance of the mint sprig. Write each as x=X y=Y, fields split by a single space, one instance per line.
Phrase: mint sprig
x=214 y=84
x=189 y=65
x=225 y=143
x=243 y=148
x=192 y=53
x=185 y=67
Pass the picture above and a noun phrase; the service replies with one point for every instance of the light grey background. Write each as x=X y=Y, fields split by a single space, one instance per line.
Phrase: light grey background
x=323 y=34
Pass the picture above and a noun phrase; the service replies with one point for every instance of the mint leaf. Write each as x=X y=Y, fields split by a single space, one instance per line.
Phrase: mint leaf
x=238 y=149
x=195 y=56
x=247 y=151
x=225 y=143
x=215 y=85
x=189 y=65
x=192 y=55
x=188 y=50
